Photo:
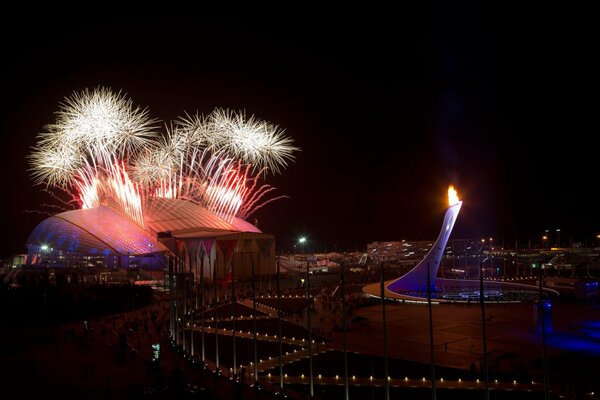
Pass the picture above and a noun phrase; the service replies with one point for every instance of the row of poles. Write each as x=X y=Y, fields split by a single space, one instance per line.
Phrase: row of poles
x=180 y=292
x=182 y=312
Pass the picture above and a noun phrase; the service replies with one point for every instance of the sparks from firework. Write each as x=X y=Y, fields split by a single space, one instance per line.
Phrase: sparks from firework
x=249 y=139
x=89 y=193
x=255 y=198
x=100 y=139
x=127 y=193
x=96 y=127
x=194 y=167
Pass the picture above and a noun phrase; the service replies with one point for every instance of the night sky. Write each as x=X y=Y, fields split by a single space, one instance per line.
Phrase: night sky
x=389 y=107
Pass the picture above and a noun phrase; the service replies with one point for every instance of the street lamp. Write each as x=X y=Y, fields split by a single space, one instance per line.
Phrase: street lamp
x=558 y=236
x=544 y=241
x=301 y=240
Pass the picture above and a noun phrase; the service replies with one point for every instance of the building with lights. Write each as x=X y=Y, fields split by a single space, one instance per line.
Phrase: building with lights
x=401 y=252
x=174 y=230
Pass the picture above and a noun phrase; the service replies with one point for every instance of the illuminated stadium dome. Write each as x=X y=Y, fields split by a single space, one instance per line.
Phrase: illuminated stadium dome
x=101 y=235
x=148 y=198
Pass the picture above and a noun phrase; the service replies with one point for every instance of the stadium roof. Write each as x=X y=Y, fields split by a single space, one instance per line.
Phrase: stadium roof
x=175 y=215
x=103 y=231
x=93 y=231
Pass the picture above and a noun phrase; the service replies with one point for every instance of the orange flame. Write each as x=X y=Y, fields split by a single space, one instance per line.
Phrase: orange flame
x=452 y=196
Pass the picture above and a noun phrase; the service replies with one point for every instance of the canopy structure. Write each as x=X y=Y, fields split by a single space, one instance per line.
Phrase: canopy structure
x=171 y=226
x=98 y=231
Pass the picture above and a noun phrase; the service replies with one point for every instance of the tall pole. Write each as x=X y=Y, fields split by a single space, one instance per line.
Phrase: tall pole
x=215 y=312
x=541 y=313
x=308 y=314
x=182 y=296
x=172 y=298
x=385 y=344
x=191 y=332
x=233 y=300
x=178 y=302
x=486 y=378
x=342 y=295
x=279 y=331
x=254 y=327
x=193 y=303
x=433 y=391
x=203 y=354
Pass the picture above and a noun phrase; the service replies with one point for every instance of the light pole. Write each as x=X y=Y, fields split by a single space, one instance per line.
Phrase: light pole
x=494 y=270
x=558 y=237
x=484 y=367
x=481 y=257
x=302 y=242
x=544 y=241
x=431 y=351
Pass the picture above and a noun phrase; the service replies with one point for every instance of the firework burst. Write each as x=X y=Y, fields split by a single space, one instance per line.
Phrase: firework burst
x=255 y=142
x=106 y=151
x=97 y=127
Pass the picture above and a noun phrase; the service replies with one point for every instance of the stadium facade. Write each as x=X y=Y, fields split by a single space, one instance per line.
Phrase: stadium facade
x=174 y=231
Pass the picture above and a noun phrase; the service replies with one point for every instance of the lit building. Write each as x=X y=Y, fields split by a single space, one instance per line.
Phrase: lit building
x=403 y=252
x=198 y=238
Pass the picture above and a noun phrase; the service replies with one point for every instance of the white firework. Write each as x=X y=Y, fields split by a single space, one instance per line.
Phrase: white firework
x=105 y=121
x=97 y=127
x=198 y=130
x=256 y=142
x=105 y=150
x=231 y=134
x=156 y=162
x=55 y=164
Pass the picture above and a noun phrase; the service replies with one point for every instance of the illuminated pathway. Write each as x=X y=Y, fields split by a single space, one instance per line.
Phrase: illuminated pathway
x=406 y=383
x=293 y=356
x=270 y=311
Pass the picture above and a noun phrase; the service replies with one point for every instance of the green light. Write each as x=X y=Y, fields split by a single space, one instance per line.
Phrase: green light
x=302 y=239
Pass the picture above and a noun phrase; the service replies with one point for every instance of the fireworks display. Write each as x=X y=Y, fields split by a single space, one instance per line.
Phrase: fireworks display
x=104 y=150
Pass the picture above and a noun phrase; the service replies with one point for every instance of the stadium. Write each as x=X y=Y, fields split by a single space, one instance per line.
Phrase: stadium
x=176 y=200
x=173 y=229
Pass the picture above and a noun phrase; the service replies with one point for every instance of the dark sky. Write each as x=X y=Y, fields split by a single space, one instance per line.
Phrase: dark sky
x=388 y=106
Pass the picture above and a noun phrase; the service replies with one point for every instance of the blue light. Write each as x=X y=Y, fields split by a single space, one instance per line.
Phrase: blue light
x=574 y=343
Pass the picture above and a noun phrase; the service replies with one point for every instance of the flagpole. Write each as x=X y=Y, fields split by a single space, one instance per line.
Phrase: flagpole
x=196 y=281
x=433 y=391
x=281 y=391
x=172 y=297
x=385 y=344
x=203 y=355
x=345 y=340
x=192 y=334
x=233 y=313
x=484 y=367
x=541 y=314
x=256 y=384
x=177 y=303
x=182 y=297
x=308 y=313
x=215 y=311
x=194 y=303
